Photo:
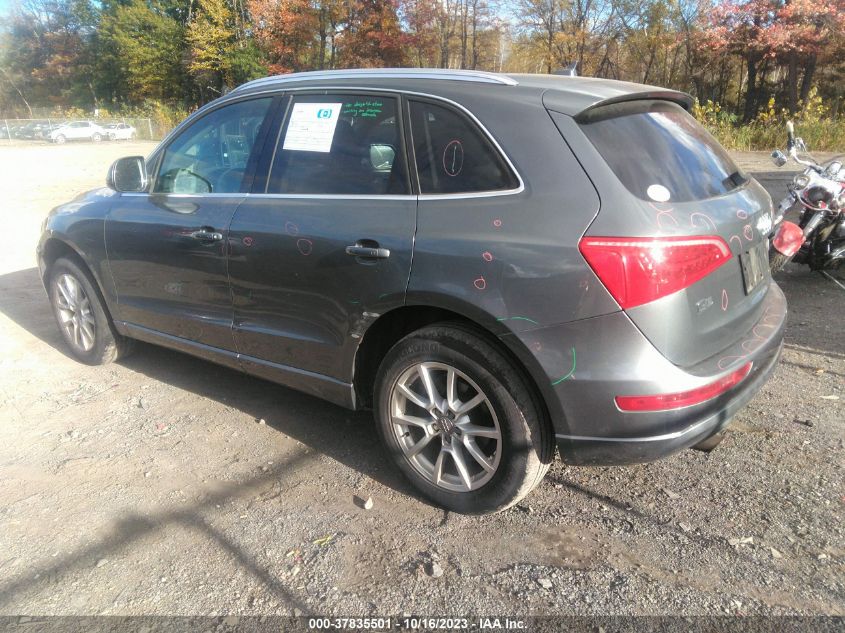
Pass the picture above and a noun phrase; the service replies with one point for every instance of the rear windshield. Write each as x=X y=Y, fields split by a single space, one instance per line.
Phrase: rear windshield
x=660 y=152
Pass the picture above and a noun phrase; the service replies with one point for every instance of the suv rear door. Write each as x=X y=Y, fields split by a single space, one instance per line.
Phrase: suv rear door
x=323 y=244
x=661 y=175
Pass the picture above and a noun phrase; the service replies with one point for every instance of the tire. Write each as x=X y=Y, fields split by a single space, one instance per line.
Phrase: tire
x=506 y=428
x=82 y=316
x=96 y=137
x=60 y=139
x=777 y=261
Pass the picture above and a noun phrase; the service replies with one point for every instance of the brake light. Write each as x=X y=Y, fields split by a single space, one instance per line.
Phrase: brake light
x=638 y=270
x=664 y=401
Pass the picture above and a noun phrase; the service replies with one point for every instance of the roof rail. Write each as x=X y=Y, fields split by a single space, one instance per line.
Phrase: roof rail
x=384 y=73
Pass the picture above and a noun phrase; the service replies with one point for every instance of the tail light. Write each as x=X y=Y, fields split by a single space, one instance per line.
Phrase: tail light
x=664 y=401
x=638 y=270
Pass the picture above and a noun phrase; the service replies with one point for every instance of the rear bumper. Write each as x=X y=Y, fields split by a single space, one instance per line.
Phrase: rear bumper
x=587 y=363
x=692 y=430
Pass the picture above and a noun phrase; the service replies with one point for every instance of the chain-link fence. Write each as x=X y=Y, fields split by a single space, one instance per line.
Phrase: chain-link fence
x=57 y=130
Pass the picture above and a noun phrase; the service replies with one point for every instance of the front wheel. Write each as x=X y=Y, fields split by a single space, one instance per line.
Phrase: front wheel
x=459 y=420
x=97 y=137
x=60 y=139
x=81 y=316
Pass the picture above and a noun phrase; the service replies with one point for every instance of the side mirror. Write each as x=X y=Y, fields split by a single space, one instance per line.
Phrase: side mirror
x=778 y=158
x=128 y=175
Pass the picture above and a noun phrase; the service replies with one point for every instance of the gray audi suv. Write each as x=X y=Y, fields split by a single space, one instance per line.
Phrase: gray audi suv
x=497 y=265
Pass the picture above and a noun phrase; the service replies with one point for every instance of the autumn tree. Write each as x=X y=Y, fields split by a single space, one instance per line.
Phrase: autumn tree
x=149 y=46
x=803 y=32
x=371 y=35
x=767 y=34
x=420 y=36
x=211 y=38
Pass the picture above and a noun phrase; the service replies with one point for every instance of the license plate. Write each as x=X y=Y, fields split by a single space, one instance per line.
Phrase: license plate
x=754 y=263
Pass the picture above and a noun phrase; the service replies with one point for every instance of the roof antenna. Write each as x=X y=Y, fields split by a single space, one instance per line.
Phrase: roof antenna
x=568 y=71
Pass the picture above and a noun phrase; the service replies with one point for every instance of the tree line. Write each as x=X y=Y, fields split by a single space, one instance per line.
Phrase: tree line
x=749 y=56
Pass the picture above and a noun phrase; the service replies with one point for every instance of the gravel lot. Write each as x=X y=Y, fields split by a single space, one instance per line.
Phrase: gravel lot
x=168 y=485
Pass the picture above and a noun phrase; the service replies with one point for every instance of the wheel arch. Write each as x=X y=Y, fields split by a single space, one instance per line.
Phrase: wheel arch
x=53 y=249
x=394 y=325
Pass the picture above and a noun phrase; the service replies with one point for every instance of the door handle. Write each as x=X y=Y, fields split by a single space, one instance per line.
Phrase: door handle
x=207 y=234
x=369 y=252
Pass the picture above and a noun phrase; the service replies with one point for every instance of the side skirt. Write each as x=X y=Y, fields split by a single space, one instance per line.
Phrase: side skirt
x=324 y=387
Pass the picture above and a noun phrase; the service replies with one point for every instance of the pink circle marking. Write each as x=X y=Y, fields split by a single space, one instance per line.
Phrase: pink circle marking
x=453 y=158
x=748 y=232
x=304 y=245
x=487 y=256
x=480 y=283
x=497 y=223
x=724 y=299
x=736 y=237
x=707 y=221
x=742 y=215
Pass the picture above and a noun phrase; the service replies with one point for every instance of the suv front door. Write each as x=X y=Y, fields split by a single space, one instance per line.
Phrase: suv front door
x=167 y=248
x=323 y=244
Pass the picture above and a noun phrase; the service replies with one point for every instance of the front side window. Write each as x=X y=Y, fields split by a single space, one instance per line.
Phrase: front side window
x=452 y=154
x=211 y=156
x=340 y=144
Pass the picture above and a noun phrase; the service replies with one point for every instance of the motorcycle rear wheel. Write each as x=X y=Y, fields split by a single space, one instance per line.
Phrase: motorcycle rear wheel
x=777 y=261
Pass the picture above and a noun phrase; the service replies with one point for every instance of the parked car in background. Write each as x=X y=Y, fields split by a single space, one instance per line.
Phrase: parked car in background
x=78 y=131
x=33 y=130
x=121 y=132
x=497 y=265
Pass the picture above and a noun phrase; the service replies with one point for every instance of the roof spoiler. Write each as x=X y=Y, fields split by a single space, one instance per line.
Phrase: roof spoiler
x=599 y=109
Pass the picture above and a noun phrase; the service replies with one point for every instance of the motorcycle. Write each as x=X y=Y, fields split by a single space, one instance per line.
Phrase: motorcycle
x=818 y=239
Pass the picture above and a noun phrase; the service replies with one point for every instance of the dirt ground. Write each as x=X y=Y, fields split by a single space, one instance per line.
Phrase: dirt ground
x=167 y=485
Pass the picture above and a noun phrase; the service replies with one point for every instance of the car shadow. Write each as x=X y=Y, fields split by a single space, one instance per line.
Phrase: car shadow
x=132 y=529
x=348 y=437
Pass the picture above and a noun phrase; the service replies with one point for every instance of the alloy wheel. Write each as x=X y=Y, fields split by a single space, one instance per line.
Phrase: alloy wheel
x=446 y=426
x=74 y=310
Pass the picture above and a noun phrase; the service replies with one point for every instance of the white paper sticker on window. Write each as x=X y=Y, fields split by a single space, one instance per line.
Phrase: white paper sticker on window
x=658 y=193
x=311 y=127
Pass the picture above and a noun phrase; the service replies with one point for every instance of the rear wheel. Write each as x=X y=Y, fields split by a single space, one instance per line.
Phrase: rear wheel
x=97 y=137
x=60 y=139
x=459 y=421
x=81 y=316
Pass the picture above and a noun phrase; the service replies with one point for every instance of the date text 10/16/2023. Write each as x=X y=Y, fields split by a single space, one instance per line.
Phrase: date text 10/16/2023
x=417 y=623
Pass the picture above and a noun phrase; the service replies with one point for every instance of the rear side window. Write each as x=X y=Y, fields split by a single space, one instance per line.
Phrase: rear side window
x=340 y=144
x=452 y=154
x=661 y=153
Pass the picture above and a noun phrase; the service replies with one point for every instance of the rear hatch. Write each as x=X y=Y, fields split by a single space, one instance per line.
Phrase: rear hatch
x=681 y=239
